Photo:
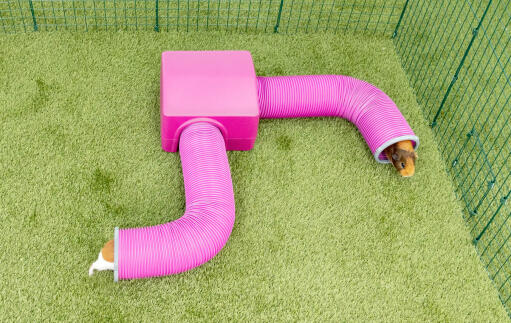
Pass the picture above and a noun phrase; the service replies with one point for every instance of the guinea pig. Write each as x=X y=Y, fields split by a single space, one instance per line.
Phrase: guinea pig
x=403 y=157
x=105 y=259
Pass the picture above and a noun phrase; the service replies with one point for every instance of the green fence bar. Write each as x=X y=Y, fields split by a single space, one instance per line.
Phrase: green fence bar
x=33 y=14
x=276 y=28
x=157 y=17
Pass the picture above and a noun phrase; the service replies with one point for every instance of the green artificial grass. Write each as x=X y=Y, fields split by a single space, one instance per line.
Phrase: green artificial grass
x=323 y=232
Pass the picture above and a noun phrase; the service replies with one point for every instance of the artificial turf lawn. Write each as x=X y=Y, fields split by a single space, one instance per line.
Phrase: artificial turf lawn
x=322 y=231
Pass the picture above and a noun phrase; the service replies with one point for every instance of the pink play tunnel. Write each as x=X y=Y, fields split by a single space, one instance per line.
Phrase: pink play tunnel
x=205 y=227
x=376 y=116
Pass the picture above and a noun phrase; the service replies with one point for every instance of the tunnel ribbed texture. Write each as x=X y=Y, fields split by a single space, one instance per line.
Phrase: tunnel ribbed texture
x=369 y=108
x=208 y=220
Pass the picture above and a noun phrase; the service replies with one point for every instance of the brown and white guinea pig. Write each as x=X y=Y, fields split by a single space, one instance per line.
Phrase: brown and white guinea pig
x=105 y=259
x=403 y=157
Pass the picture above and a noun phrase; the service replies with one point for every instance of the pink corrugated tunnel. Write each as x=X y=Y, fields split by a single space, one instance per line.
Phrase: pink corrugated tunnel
x=203 y=125
x=376 y=116
x=204 y=228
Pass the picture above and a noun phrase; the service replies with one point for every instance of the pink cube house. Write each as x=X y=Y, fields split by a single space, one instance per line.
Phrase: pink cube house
x=218 y=87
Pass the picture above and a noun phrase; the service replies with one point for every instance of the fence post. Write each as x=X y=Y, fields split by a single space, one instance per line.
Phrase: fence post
x=456 y=74
x=394 y=34
x=156 y=23
x=33 y=14
x=276 y=28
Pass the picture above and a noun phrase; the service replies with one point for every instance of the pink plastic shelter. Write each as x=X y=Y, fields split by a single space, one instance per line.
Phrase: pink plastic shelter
x=218 y=87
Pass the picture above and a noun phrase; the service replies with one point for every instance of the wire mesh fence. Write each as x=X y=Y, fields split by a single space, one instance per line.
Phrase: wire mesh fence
x=456 y=54
x=200 y=15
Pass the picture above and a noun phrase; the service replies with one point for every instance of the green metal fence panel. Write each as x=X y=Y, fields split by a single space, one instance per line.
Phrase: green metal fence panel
x=456 y=54
x=285 y=16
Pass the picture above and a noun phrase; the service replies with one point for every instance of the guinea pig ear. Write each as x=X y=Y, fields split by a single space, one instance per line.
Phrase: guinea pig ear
x=395 y=156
